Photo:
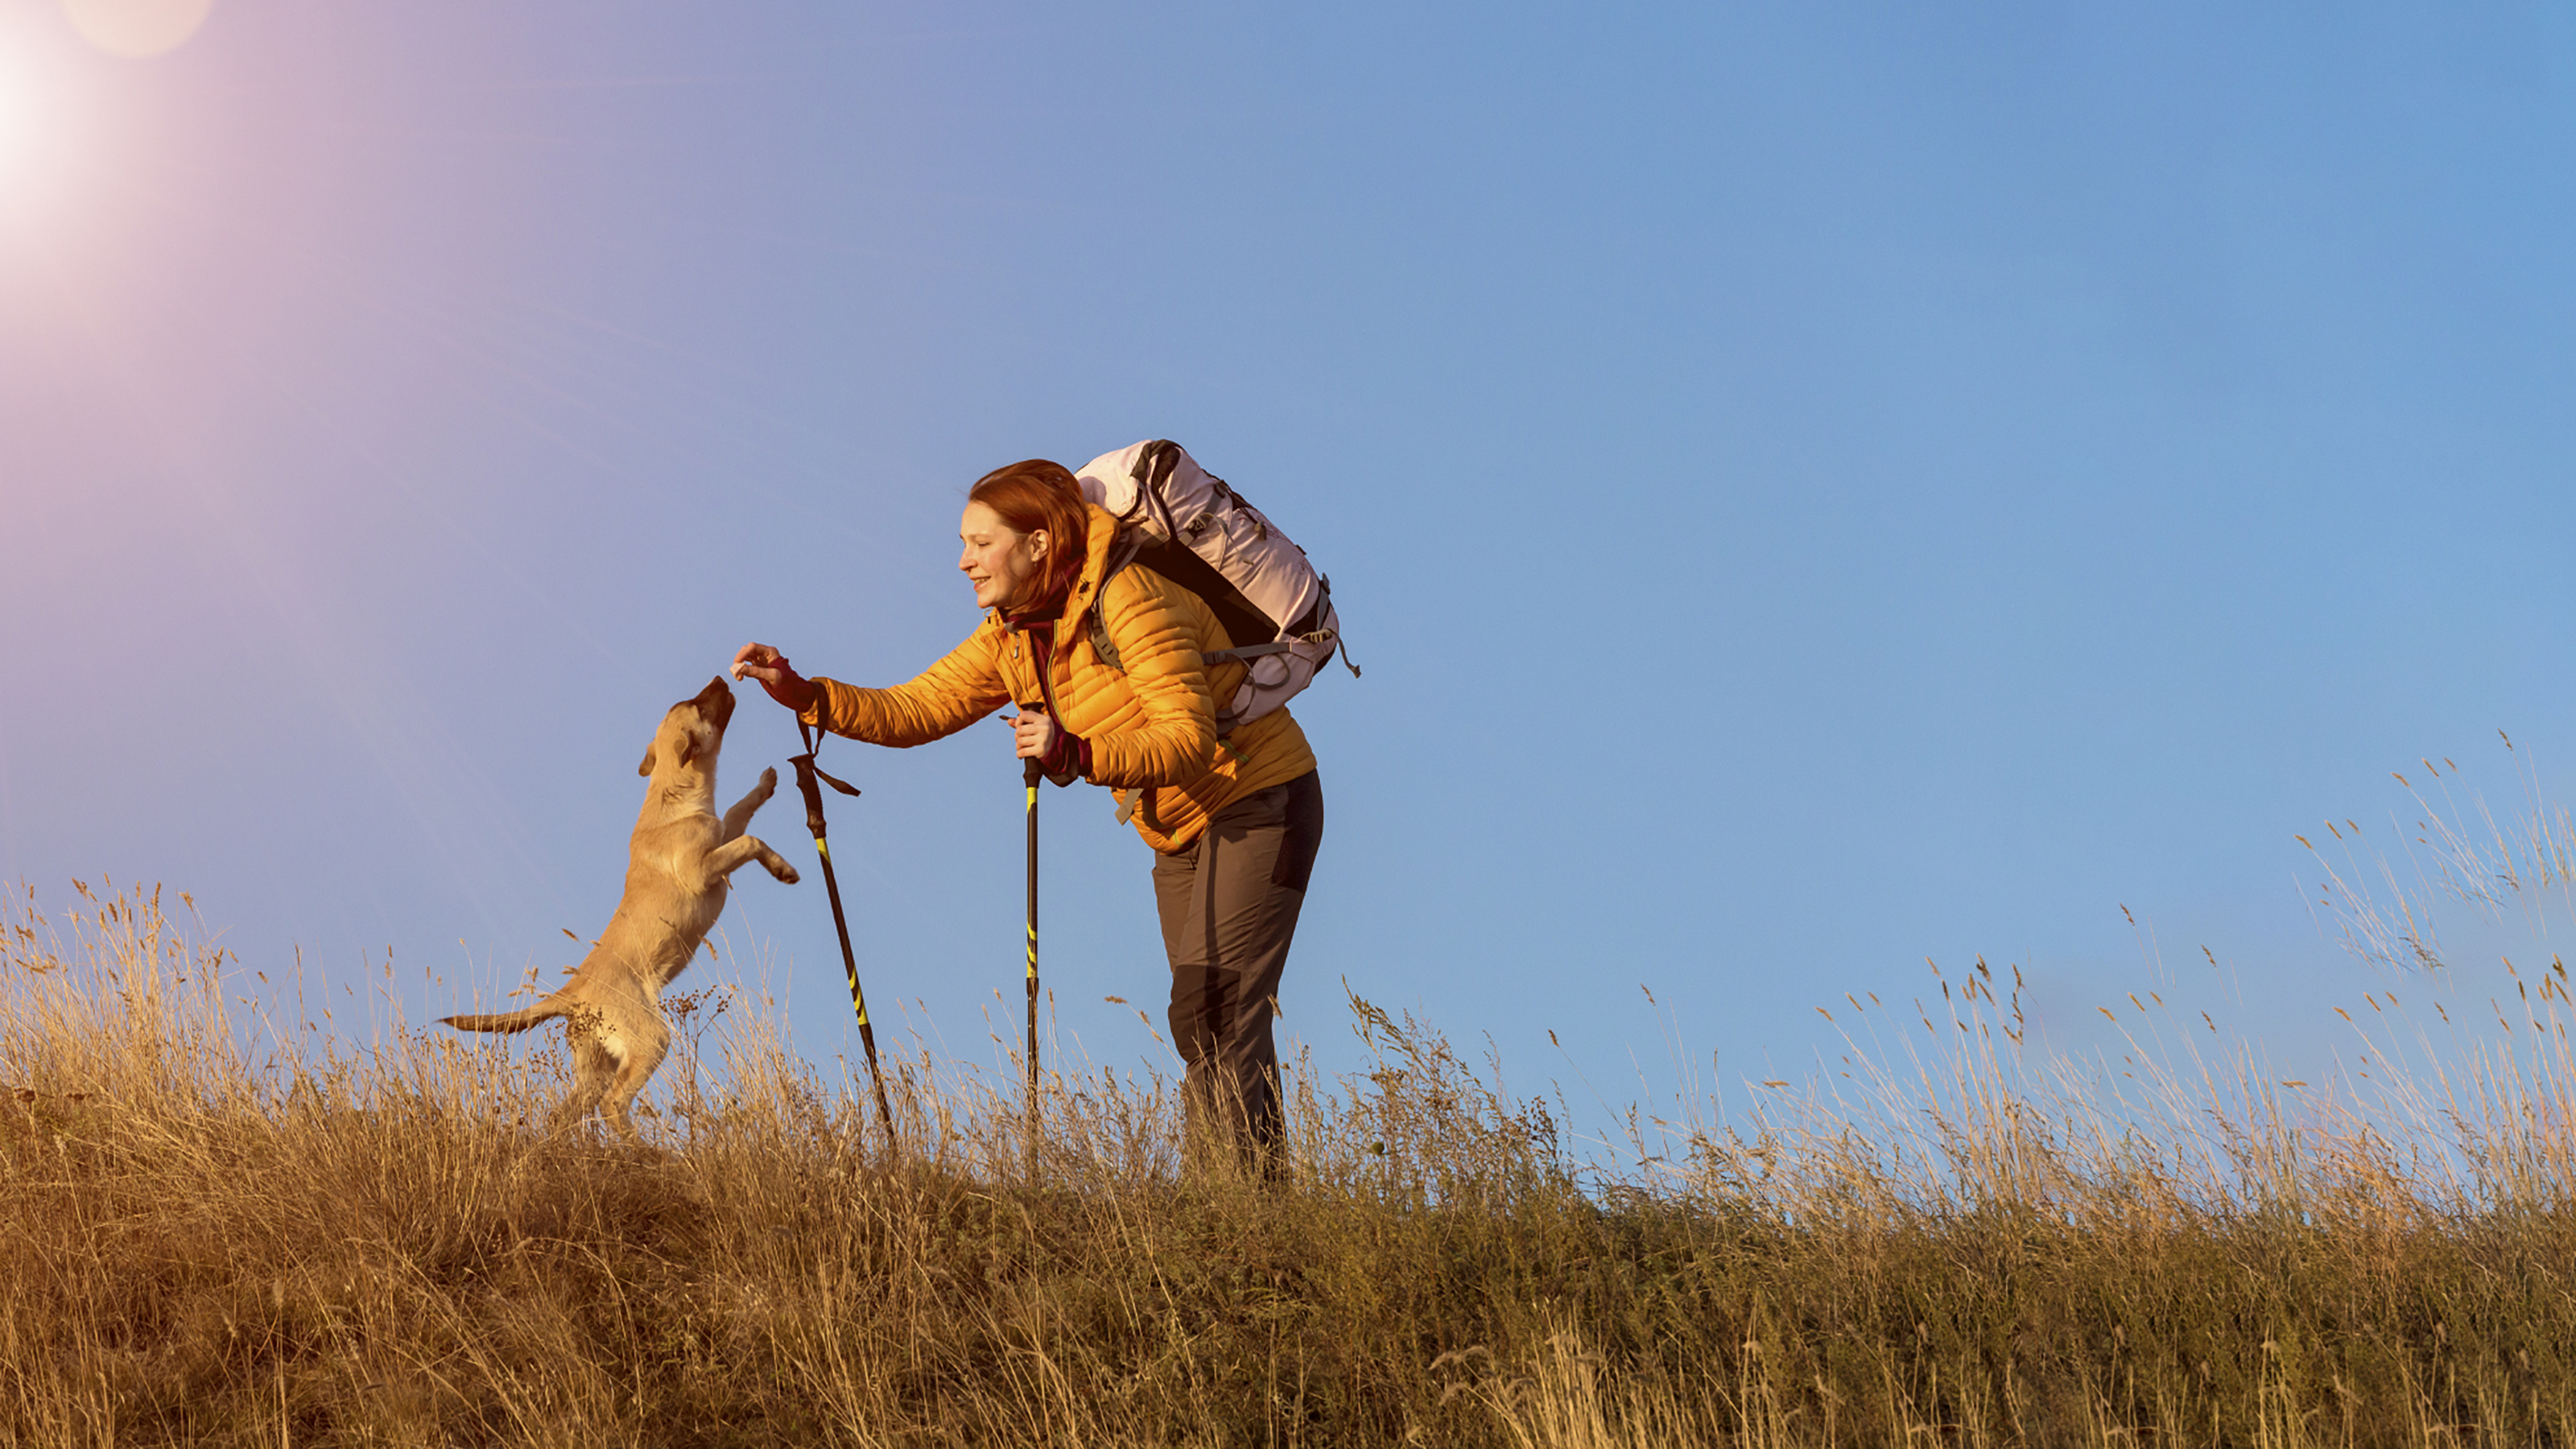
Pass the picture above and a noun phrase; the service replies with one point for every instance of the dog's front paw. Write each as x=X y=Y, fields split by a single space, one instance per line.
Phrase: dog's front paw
x=768 y=783
x=786 y=873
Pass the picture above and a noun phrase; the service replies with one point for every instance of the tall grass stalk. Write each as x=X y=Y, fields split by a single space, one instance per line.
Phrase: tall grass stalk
x=227 y=1216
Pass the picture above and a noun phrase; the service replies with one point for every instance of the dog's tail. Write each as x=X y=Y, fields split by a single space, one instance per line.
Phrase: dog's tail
x=508 y=1020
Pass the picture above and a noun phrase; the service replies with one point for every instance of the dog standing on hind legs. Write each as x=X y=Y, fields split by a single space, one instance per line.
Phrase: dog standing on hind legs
x=677 y=870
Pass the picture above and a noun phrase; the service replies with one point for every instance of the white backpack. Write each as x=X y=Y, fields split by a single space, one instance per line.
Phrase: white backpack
x=1184 y=523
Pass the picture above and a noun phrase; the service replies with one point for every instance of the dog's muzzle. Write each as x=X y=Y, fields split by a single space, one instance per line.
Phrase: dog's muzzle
x=715 y=702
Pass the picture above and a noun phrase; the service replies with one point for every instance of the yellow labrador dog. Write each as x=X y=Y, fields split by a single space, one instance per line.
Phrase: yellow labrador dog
x=676 y=874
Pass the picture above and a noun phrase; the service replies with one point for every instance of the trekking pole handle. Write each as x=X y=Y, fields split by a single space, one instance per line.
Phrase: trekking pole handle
x=810 y=779
x=812 y=790
x=1032 y=769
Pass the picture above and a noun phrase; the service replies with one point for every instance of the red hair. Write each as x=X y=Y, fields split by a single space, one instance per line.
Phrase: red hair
x=1038 y=496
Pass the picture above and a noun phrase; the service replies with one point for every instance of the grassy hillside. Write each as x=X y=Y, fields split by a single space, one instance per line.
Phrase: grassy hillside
x=218 y=1226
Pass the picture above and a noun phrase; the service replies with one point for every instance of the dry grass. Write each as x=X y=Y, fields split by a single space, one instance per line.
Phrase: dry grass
x=222 y=1221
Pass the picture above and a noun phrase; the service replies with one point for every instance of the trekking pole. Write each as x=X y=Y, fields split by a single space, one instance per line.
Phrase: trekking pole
x=1029 y=772
x=807 y=773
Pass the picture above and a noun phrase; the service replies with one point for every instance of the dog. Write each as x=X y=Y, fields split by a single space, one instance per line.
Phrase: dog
x=677 y=870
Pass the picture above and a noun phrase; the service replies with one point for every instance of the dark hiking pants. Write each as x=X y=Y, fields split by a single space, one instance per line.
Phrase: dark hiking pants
x=1229 y=907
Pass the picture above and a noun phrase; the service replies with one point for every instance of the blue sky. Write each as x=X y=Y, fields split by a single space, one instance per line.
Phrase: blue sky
x=1812 y=488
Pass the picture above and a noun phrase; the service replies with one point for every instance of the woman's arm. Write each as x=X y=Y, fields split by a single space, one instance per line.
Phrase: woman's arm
x=960 y=689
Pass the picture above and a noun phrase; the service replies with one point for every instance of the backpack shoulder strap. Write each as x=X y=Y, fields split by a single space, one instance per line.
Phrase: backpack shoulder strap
x=1121 y=553
x=1153 y=466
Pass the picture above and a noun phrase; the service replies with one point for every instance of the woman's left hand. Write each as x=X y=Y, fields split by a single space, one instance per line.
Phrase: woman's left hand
x=1036 y=732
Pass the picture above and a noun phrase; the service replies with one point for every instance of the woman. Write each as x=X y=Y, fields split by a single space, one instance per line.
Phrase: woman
x=1234 y=822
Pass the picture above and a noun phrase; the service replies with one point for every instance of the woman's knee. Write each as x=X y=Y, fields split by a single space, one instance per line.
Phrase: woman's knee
x=1197 y=1023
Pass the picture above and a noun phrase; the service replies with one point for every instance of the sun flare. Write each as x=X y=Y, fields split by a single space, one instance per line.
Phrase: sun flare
x=137 y=29
x=17 y=126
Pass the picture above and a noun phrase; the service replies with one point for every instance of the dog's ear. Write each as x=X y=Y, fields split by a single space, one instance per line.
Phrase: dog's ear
x=646 y=769
x=688 y=748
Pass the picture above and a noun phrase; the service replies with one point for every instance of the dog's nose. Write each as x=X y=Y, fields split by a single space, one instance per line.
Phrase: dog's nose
x=716 y=701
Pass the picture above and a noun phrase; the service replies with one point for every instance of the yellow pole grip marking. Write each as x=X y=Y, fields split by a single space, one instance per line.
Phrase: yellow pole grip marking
x=821 y=849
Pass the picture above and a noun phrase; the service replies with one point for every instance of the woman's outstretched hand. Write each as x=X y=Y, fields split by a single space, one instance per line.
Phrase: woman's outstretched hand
x=761 y=662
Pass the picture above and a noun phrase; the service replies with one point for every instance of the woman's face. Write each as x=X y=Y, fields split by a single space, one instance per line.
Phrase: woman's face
x=1007 y=568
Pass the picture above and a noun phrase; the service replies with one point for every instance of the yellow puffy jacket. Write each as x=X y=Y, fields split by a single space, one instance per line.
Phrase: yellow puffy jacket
x=1152 y=728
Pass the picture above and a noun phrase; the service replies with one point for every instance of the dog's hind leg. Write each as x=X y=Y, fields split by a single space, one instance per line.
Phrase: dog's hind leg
x=594 y=1072
x=643 y=1046
x=738 y=819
